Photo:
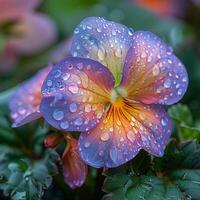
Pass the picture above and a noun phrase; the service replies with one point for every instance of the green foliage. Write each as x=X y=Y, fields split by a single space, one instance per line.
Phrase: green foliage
x=175 y=176
x=25 y=167
x=184 y=122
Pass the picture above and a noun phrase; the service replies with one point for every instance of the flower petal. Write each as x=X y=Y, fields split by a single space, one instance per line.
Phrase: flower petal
x=123 y=131
x=103 y=41
x=74 y=169
x=52 y=140
x=152 y=73
x=15 y=9
x=75 y=94
x=24 y=103
x=28 y=34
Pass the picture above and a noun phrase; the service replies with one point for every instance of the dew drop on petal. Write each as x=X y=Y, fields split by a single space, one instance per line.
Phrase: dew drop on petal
x=57 y=73
x=78 y=121
x=130 y=31
x=130 y=136
x=49 y=83
x=156 y=70
x=113 y=155
x=101 y=54
x=86 y=144
x=73 y=89
x=58 y=115
x=184 y=79
x=66 y=76
x=73 y=107
x=167 y=83
x=80 y=66
x=163 y=122
x=88 y=108
x=105 y=136
x=180 y=92
x=64 y=125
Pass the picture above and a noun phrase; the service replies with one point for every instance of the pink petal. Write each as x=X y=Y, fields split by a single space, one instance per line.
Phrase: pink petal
x=32 y=34
x=74 y=169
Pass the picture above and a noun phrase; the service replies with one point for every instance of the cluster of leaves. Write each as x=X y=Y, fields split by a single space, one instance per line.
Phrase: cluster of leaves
x=26 y=168
x=176 y=176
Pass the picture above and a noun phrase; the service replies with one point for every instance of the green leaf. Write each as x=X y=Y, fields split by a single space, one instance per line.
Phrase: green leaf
x=175 y=176
x=183 y=120
x=181 y=114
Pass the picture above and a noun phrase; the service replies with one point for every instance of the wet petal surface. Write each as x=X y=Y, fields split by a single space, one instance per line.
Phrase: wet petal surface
x=76 y=93
x=74 y=169
x=152 y=73
x=103 y=41
x=125 y=129
x=24 y=103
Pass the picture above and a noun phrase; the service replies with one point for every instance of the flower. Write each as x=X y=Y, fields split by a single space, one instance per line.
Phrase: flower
x=113 y=91
x=164 y=7
x=25 y=101
x=11 y=10
x=27 y=35
x=74 y=169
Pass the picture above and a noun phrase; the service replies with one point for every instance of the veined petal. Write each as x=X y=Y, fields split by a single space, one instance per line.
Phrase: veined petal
x=152 y=73
x=124 y=130
x=74 y=169
x=103 y=41
x=24 y=103
x=75 y=94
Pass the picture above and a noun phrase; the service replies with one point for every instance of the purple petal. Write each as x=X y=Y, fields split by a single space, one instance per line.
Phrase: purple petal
x=15 y=9
x=24 y=103
x=36 y=32
x=103 y=41
x=123 y=132
x=75 y=94
x=152 y=73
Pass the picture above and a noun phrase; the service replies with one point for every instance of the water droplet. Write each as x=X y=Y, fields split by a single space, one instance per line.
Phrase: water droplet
x=99 y=30
x=141 y=116
x=184 y=79
x=80 y=66
x=66 y=76
x=101 y=153
x=101 y=54
x=78 y=121
x=167 y=83
x=131 y=136
x=64 y=125
x=105 y=136
x=73 y=89
x=88 y=108
x=49 y=83
x=86 y=144
x=156 y=70
x=76 y=31
x=113 y=32
x=113 y=155
x=143 y=55
x=89 y=27
x=58 y=115
x=130 y=31
x=179 y=92
x=163 y=122
x=169 y=61
x=118 y=53
x=73 y=107
x=57 y=73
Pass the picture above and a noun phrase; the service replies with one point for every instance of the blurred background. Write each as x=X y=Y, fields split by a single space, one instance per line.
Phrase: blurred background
x=35 y=33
